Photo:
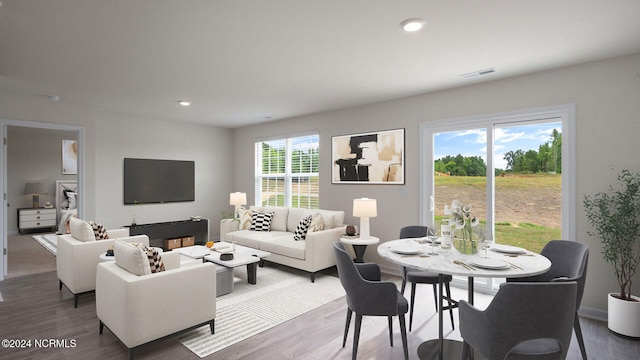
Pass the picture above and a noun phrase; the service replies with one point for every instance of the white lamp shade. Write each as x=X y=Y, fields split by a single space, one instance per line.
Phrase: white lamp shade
x=237 y=198
x=365 y=208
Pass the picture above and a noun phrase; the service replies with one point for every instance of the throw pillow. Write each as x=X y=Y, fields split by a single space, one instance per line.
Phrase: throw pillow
x=155 y=260
x=81 y=230
x=261 y=221
x=73 y=200
x=317 y=224
x=245 y=219
x=99 y=231
x=301 y=230
x=131 y=257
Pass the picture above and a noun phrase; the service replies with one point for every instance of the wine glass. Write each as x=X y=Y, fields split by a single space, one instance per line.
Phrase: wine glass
x=488 y=243
x=432 y=235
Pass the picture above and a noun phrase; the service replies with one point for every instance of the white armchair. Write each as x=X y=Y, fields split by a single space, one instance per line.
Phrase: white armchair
x=141 y=309
x=76 y=259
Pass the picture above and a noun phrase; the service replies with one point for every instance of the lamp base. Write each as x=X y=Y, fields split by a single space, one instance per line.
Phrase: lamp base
x=36 y=201
x=364 y=228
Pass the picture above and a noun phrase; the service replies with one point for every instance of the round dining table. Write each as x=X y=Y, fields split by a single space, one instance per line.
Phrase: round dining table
x=506 y=263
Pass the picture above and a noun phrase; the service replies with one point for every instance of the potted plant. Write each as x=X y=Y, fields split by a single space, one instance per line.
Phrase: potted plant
x=615 y=218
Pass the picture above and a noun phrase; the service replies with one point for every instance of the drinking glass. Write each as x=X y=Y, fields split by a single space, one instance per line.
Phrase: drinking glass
x=488 y=243
x=445 y=241
x=432 y=235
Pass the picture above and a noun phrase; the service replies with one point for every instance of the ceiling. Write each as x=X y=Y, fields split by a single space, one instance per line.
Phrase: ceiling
x=243 y=62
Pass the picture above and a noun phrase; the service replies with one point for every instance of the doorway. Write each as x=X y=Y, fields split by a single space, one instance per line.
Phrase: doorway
x=27 y=162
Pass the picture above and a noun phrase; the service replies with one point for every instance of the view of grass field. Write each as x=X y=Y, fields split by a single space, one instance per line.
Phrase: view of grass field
x=527 y=206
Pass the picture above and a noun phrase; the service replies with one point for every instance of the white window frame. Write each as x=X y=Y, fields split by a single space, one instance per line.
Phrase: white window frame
x=288 y=175
x=566 y=114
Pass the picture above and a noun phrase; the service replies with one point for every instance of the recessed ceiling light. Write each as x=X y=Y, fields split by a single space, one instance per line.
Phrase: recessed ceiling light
x=184 y=103
x=478 y=73
x=54 y=98
x=413 y=24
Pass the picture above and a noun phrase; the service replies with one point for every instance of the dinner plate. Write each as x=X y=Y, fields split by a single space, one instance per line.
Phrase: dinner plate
x=485 y=263
x=508 y=249
x=406 y=249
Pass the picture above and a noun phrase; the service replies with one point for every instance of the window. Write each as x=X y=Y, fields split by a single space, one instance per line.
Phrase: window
x=514 y=169
x=287 y=172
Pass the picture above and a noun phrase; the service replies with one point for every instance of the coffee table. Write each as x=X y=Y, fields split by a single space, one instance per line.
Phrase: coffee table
x=242 y=255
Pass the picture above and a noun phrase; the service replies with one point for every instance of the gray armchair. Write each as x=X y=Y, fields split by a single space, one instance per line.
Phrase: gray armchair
x=367 y=295
x=569 y=261
x=524 y=321
x=423 y=276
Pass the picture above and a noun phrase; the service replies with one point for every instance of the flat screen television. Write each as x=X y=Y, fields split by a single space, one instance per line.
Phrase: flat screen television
x=149 y=181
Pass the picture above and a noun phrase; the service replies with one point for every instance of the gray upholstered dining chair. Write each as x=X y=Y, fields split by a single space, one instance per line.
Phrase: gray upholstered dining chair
x=569 y=260
x=524 y=321
x=422 y=276
x=367 y=295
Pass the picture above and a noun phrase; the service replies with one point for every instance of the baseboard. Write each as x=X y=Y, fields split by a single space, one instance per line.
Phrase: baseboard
x=593 y=313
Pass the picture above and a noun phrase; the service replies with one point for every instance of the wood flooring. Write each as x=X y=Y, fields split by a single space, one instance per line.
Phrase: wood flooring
x=34 y=308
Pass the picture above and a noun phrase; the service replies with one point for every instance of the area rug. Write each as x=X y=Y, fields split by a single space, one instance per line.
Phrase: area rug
x=48 y=241
x=279 y=295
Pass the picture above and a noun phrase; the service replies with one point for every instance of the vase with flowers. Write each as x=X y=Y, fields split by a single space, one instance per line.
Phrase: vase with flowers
x=465 y=226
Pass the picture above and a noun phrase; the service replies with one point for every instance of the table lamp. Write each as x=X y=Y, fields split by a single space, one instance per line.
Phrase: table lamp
x=364 y=209
x=35 y=189
x=238 y=199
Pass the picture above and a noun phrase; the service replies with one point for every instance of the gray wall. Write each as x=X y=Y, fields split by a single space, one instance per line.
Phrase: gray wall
x=607 y=99
x=120 y=136
x=33 y=155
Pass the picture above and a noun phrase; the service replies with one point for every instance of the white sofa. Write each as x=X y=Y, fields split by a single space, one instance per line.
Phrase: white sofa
x=141 y=309
x=313 y=254
x=78 y=255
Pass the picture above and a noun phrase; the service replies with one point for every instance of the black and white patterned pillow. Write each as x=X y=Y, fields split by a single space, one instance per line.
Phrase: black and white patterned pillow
x=261 y=221
x=99 y=231
x=301 y=230
x=155 y=259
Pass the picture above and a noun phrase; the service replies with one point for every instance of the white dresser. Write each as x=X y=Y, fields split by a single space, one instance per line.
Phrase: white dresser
x=30 y=218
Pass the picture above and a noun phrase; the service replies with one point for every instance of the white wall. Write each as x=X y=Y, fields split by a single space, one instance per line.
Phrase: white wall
x=607 y=99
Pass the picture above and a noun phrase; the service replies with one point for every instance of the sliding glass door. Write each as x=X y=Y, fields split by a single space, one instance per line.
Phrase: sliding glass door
x=510 y=168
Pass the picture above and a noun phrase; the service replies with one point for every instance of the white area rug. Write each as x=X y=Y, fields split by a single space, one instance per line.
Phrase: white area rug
x=278 y=296
x=48 y=241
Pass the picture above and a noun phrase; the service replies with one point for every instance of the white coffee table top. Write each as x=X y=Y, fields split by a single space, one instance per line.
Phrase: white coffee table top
x=242 y=256
x=195 y=251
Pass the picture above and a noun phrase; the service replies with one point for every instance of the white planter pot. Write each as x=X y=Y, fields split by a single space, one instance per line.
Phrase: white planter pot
x=624 y=316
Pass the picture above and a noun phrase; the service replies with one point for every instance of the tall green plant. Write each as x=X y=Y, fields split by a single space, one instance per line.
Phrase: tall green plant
x=615 y=218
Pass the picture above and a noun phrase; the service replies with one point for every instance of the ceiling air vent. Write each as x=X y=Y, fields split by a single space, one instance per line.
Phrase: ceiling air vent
x=478 y=73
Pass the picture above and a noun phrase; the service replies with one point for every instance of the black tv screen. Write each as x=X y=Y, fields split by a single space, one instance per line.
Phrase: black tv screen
x=148 y=181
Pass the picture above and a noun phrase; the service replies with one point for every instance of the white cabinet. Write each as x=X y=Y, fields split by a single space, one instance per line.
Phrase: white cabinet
x=30 y=218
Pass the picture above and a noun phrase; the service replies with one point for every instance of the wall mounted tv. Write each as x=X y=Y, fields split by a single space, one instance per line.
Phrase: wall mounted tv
x=148 y=181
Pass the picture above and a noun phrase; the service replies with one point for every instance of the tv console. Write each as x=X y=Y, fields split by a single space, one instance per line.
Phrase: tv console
x=158 y=232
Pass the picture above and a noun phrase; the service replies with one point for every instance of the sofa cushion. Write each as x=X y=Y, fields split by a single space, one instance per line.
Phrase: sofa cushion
x=332 y=218
x=301 y=230
x=296 y=215
x=280 y=215
x=252 y=239
x=155 y=260
x=261 y=221
x=81 y=230
x=317 y=224
x=285 y=246
x=131 y=257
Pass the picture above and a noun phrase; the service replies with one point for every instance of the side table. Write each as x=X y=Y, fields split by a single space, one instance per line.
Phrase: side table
x=359 y=245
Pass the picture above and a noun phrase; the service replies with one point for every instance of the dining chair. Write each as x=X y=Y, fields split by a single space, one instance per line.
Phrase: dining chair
x=422 y=276
x=524 y=321
x=569 y=260
x=367 y=295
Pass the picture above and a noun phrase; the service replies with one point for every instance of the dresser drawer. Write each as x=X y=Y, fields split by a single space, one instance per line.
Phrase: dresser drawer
x=42 y=217
x=37 y=224
x=28 y=212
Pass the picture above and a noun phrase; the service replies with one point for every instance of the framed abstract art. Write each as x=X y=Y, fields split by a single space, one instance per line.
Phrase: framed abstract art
x=368 y=158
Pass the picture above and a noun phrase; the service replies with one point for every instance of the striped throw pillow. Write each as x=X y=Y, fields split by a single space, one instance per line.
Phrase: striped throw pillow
x=261 y=221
